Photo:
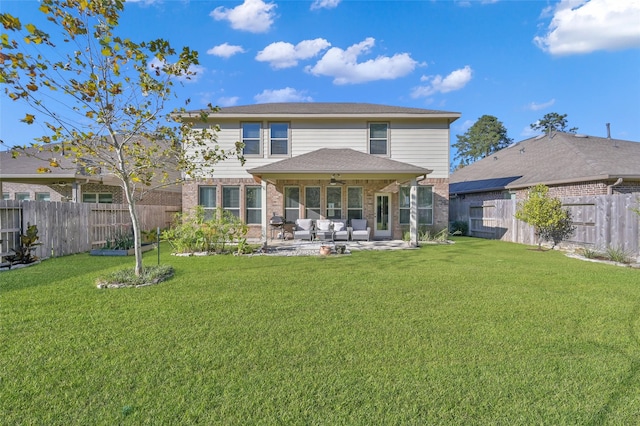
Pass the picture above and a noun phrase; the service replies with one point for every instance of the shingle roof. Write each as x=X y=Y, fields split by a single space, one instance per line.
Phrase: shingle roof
x=344 y=161
x=555 y=159
x=27 y=163
x=332 y=109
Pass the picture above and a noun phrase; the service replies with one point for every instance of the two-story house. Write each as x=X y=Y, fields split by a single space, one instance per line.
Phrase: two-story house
x=386 y=164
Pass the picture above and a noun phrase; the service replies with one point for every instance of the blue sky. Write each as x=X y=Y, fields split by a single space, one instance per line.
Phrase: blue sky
x=516 y=60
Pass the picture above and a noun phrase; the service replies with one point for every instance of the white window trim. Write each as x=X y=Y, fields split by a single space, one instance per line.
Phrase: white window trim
x=242 y=138
x=361 y=208
x=257 y=189
x=326 y=197
x=232 y=209
x=306 y=205
x=388 y=153
x=47 y=194
x=285 y=208
x=97 y=194
x=417 y=207
x=215 y=199
x=288 y=154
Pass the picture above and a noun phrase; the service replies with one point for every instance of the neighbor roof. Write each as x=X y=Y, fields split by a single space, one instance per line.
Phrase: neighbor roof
x=343 y=161
x=550 y=159
x=24 y=167
x=327 y=109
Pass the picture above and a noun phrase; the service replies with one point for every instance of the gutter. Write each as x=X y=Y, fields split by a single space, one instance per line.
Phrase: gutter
x=573 y=180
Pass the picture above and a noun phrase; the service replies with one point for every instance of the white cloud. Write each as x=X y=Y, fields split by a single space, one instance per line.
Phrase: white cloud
x=285 y=55
x=344 y=67
x=195 y=71
x=456 y=80
x=582 y=26
x=228 y=101
x=463 y=127
x=287 y=94
x=254 y=16
x=537 y=107
x=325 y=4
x=225 y=50
x=528 y=132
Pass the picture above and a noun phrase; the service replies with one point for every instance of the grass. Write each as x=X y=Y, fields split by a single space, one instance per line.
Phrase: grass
x=479 y=332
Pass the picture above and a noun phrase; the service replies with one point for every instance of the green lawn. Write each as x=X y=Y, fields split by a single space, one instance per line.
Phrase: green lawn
x=478 y=332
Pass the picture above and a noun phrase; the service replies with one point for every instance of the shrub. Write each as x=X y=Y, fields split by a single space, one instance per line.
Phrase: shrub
x=28 y=243
x=550 y=221
x=196 y=233
x=459 y=227
x=121 y=241
x=427 y=234
x=590 y=253
x=619 y=255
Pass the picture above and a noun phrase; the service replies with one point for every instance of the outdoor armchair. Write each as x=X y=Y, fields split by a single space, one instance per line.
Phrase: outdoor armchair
x=340 y=230
x=303 y=229
x=360 y=230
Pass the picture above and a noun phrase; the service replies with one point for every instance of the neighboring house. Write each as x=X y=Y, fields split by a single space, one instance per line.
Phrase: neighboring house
x=569 y=164
x=386 y=164
x=24 y=178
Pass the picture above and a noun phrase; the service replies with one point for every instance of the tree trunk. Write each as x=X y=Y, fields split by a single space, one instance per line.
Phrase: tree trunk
x=137 y=240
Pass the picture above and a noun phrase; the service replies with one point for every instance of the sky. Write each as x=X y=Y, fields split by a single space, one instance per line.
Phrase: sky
x=512 y=59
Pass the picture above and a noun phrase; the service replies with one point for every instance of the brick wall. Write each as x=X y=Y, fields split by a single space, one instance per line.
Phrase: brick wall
x=56 y=192
x=275 y=198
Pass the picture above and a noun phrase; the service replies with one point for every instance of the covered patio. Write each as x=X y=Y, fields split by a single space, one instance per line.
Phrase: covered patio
x=309 y=186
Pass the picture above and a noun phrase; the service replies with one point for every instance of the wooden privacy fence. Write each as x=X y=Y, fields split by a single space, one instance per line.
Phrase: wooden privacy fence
x=69 y=228
x=601 y=221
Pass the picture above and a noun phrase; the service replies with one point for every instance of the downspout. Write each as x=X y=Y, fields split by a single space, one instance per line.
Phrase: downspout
x=610 y=187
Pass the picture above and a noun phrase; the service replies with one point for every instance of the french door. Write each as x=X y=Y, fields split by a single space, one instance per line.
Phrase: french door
x=382 y=227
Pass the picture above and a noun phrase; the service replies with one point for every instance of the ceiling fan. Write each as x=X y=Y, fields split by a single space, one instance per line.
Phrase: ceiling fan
x=335 y=181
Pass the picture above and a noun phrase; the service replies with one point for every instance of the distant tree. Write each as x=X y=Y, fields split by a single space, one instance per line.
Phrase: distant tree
x=553 y=122
x=550 y=221
x=486 y=136
x=103 y=97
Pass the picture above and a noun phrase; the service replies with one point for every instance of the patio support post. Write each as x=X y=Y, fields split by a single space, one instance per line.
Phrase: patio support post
x=264 y=204
x=413 y=223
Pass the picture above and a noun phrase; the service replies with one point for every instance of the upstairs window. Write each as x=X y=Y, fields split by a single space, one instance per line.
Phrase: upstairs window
x=279 y=138
x=6 y=196
x=251 y=138
x=378 y=138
